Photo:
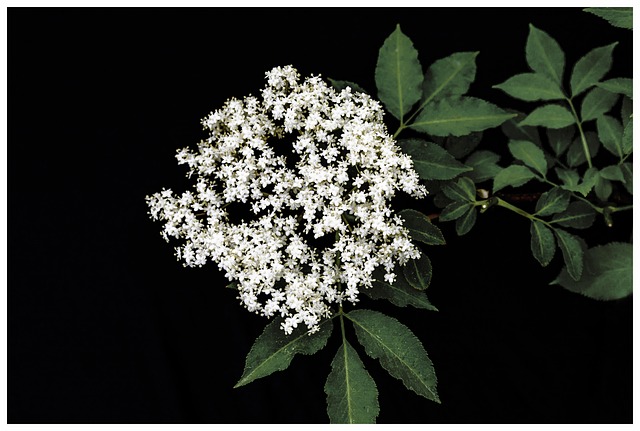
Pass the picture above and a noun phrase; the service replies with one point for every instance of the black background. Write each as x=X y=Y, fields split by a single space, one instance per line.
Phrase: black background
x=104 y=326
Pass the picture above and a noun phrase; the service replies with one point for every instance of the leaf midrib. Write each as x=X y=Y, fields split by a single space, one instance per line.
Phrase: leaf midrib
x=463 y=119
x=398 y=80
x=346 y=378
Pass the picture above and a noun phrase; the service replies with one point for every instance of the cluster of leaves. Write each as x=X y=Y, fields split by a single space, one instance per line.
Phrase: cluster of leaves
x=554 y=145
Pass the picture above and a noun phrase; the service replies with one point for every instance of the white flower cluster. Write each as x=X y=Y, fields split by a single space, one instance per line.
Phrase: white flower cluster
x=314 y=169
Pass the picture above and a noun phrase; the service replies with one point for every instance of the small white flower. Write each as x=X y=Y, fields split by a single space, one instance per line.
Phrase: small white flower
x=315 y=170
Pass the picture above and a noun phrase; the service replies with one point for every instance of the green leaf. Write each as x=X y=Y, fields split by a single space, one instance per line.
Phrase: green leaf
x=273 y=350
x=626 y=111
x=530 y=154
x=617 y=16
x=560 y=139
x=341 y=85
x=603 y=188
x=543 y=244
x=571 y=252
x=531 y=87
x=514 y=176
x=458 y=116
x=544 y=55
x=449 y=76
x=597 y=102
x=622 y=86
x=576 y=156
x=466 y=222
x=627 y=171
x=613 y=172
x=551 y=116
x=607 y=275
x=398 y=74
x=578 y=215
x=352 y=395
x=461 y=146
x=610 y=134
x=569 y=177
x=400 y=293
x=591 y=68
x=418 y=272
x=454 y=211
x=554 y=201
x=398 y=349
x=513 y=130
x=588 y=181
x=484 y=164
x=464 y=190
x=420 y=227
x=431 y=161
x=627 y=138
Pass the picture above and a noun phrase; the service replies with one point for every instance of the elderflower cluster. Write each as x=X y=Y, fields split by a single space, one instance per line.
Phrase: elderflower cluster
x=314 y=169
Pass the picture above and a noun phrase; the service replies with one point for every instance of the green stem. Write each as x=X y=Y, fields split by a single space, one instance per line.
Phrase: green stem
x=507 y=205
x=624 y=208
x=585 y=147
x=341 y=313
x=400 y=129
